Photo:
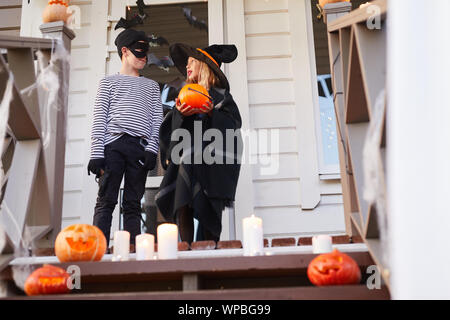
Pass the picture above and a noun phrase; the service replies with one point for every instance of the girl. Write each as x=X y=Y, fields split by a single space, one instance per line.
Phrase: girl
x=193 y=188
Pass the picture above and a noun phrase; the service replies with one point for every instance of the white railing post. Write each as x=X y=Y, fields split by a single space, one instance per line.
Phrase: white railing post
x=55 y=151
x=419 y=148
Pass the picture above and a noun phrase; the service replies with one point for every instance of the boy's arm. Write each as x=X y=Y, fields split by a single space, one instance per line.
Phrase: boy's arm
x=156 y=120
x=101 y=109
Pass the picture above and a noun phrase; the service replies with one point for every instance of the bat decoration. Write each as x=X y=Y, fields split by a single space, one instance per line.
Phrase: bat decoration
x=137 y=19
x=164 y=63
x=155 y=41
x=170 y=93
x=193 y=21
x=141 y=6
x=126 y=24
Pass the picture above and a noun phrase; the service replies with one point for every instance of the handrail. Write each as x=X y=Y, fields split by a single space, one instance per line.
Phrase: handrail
x=357 y=16
x=32 y=197
x=12 y=42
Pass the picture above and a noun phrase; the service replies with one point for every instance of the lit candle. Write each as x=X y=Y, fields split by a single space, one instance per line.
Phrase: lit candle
x=167 y=241
x=145 y=244
x=322 y=244
x=121 y=246
x=253 y=238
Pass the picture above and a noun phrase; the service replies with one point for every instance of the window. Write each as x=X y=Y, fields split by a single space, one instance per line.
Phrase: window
x=326 y=129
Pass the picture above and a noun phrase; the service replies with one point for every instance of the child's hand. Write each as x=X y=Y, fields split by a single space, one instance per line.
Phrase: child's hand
x=184 y=108
x=207 y=107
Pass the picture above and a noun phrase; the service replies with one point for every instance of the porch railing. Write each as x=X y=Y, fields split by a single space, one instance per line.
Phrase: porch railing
x=33 y=153
x=357 y=48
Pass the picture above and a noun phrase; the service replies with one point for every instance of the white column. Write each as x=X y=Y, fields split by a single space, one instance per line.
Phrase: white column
x=237 y=76
x=418 y=177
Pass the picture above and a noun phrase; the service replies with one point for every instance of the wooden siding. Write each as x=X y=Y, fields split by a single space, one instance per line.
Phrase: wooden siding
x=10 y=13
x=271 y=84
x=80 y=105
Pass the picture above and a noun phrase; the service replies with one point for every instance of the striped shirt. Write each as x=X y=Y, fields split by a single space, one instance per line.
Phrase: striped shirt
x=126 y=105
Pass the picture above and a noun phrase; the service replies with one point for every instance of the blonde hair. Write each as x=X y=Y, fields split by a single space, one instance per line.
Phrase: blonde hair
x=206 y=77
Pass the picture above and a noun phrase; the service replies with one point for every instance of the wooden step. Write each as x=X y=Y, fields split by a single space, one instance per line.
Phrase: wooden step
x=359 y=292
x=271 y=276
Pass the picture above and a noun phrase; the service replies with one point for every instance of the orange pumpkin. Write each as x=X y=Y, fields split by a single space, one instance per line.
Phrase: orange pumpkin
x=194 y=95
x=335 y=268
x=56 y=10
x=80 y=242
x=47 y=280
x=322 y=3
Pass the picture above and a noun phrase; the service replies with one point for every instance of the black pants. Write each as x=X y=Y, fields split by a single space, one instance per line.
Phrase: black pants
x=123 y=157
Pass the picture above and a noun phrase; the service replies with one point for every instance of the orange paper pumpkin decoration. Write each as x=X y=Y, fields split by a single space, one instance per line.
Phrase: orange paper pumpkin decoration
x=335 y=268
x=80 y=242
x=47 y=280
x=56 y=10
x=194 y=95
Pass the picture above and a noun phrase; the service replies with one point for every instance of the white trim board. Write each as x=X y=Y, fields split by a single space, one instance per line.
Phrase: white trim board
x=201 y=254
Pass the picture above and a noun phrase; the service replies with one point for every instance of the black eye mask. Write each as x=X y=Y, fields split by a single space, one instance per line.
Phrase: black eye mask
x=139 y=45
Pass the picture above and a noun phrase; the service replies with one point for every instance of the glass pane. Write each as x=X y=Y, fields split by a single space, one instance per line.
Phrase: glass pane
x=328 y=129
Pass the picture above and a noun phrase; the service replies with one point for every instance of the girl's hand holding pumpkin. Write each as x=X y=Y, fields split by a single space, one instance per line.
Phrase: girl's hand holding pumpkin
x=184 y=109
x=207 y=108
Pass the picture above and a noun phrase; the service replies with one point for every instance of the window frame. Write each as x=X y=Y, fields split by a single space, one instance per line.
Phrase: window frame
x=326 y=172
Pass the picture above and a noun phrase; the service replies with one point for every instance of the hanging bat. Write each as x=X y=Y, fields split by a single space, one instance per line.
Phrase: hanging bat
x=137 y=19
x=155 y=41
x=141 y=6
x=164 y=63
x=126 y=24
x=193 y=21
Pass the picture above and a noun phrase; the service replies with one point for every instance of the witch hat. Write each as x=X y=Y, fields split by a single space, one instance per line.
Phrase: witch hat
x=213 y=56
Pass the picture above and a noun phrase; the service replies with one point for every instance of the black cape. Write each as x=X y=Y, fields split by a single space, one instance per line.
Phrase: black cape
x=205 y=186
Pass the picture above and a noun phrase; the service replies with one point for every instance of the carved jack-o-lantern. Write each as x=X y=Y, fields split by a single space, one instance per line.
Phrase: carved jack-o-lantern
x=335 y=268
x=47 y=280
x=194 y=95
x=56 y=10
x=80 y=242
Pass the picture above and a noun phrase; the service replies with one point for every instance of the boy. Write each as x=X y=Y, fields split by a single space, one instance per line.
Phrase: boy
x=125 y=134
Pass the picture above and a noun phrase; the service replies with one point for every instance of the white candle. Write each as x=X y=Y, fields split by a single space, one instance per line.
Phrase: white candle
x=253 y=238
x=322 y=244
x=145 y=244
x=121 y=246
x=167 y=241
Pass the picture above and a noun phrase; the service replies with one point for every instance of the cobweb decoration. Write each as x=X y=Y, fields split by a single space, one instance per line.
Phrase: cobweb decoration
x=4 y=116
x=48 y=83
x=52 y=85
x=374 y=190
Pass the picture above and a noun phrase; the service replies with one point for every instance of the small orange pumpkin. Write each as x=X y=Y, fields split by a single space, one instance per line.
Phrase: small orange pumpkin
x=47 y=280
x=80 y=242
x=56 y=10
x=335 y=268
x=322 y=3
x=194 y=95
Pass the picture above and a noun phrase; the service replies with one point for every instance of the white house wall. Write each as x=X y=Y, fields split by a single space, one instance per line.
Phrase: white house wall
x=272 y=103
x=10 y=14
x=80 y=108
